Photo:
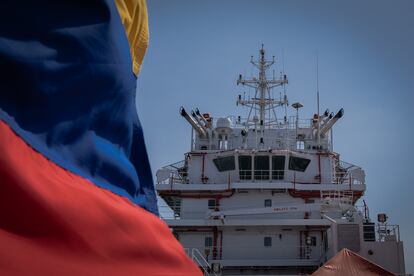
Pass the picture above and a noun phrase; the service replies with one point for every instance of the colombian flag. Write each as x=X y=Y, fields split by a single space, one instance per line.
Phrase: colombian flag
x=76 y=191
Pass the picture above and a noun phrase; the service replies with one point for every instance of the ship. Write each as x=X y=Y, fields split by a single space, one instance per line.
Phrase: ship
x=266 y=194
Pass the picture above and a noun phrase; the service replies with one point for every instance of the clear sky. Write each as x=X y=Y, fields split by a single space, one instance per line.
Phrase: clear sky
x=366 y=56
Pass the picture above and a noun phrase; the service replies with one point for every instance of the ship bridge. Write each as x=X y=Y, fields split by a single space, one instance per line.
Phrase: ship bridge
x=286 y=155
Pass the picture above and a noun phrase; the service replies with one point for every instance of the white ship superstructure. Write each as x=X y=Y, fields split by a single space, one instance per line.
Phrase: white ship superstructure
x=268 y=195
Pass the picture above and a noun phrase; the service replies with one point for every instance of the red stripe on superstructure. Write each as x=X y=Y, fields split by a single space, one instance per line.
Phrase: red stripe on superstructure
x=53 y=222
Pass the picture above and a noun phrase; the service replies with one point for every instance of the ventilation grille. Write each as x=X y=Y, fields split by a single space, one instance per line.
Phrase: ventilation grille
x=348 y=237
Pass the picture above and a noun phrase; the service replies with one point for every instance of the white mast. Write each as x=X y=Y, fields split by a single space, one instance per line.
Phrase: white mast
x=262 y=100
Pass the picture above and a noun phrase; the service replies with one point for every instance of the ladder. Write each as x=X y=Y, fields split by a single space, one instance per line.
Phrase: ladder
x=199 y=259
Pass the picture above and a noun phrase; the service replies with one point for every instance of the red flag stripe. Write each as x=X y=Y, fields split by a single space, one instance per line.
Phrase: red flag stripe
x=53 y=222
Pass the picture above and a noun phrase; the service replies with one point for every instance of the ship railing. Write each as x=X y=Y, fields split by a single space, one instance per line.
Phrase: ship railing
x=170 y=211
x=176 y=165
x=343 y=197
x=173 y=173
x=340 y=177
x=167 y=213
x=269 y=251
x=351 y=177
x=347 y=166
x=383 y=232
x=261 y=175
x=387 y=232
x=214 y=144
x=280 y=143
x=198 y=258
x=290 y=123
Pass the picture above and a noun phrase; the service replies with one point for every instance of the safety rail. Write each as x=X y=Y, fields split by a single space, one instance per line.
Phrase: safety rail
x=338 y=177
x=343 y=197
x=173 y=173
x=290 y=123
x=261 y=175
x=171 y=212
x=344 y=173
x=347 y=166
x=269 y=251
x=285 y=142
x=388 y=232
x=198 y=258
x=383 y=232
x=329 y=202
x=287 y=139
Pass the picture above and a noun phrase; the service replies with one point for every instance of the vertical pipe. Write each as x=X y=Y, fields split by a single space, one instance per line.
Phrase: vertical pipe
x=296 y=128
x=217 y=207
x=306 y=235
x=215 y=243
x=319 y=168
x=317 y=100
x=203 y=178
x=294 y=181
x=332 y=148
x=306 y=213
x=221 y=244
x=321 y=243
x=398 y=231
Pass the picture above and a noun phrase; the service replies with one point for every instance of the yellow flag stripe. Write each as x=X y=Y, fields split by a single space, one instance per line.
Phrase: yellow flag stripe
x=134 y=17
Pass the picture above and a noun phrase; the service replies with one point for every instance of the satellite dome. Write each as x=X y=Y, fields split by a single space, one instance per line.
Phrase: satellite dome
x=223 y=123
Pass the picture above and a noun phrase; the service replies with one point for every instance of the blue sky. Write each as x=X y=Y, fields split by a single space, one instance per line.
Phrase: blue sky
x=366 y=65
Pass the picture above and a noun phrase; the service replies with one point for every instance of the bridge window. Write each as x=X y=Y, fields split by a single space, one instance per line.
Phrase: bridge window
x=261 y=167
x=245 y=167
x=267 y=241
x=268 y=203
x=298 y=163
x=278 y=167
x=224 y=164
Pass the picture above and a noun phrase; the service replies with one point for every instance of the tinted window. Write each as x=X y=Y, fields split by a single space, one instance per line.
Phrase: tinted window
x=225 y=163
x=261 y=167
x=268 y=203
x=267 y=241
x=298 y=164
x=278 y=167
x=245 y=167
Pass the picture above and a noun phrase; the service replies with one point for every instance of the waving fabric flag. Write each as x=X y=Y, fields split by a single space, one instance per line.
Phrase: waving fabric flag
x=76 y=191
